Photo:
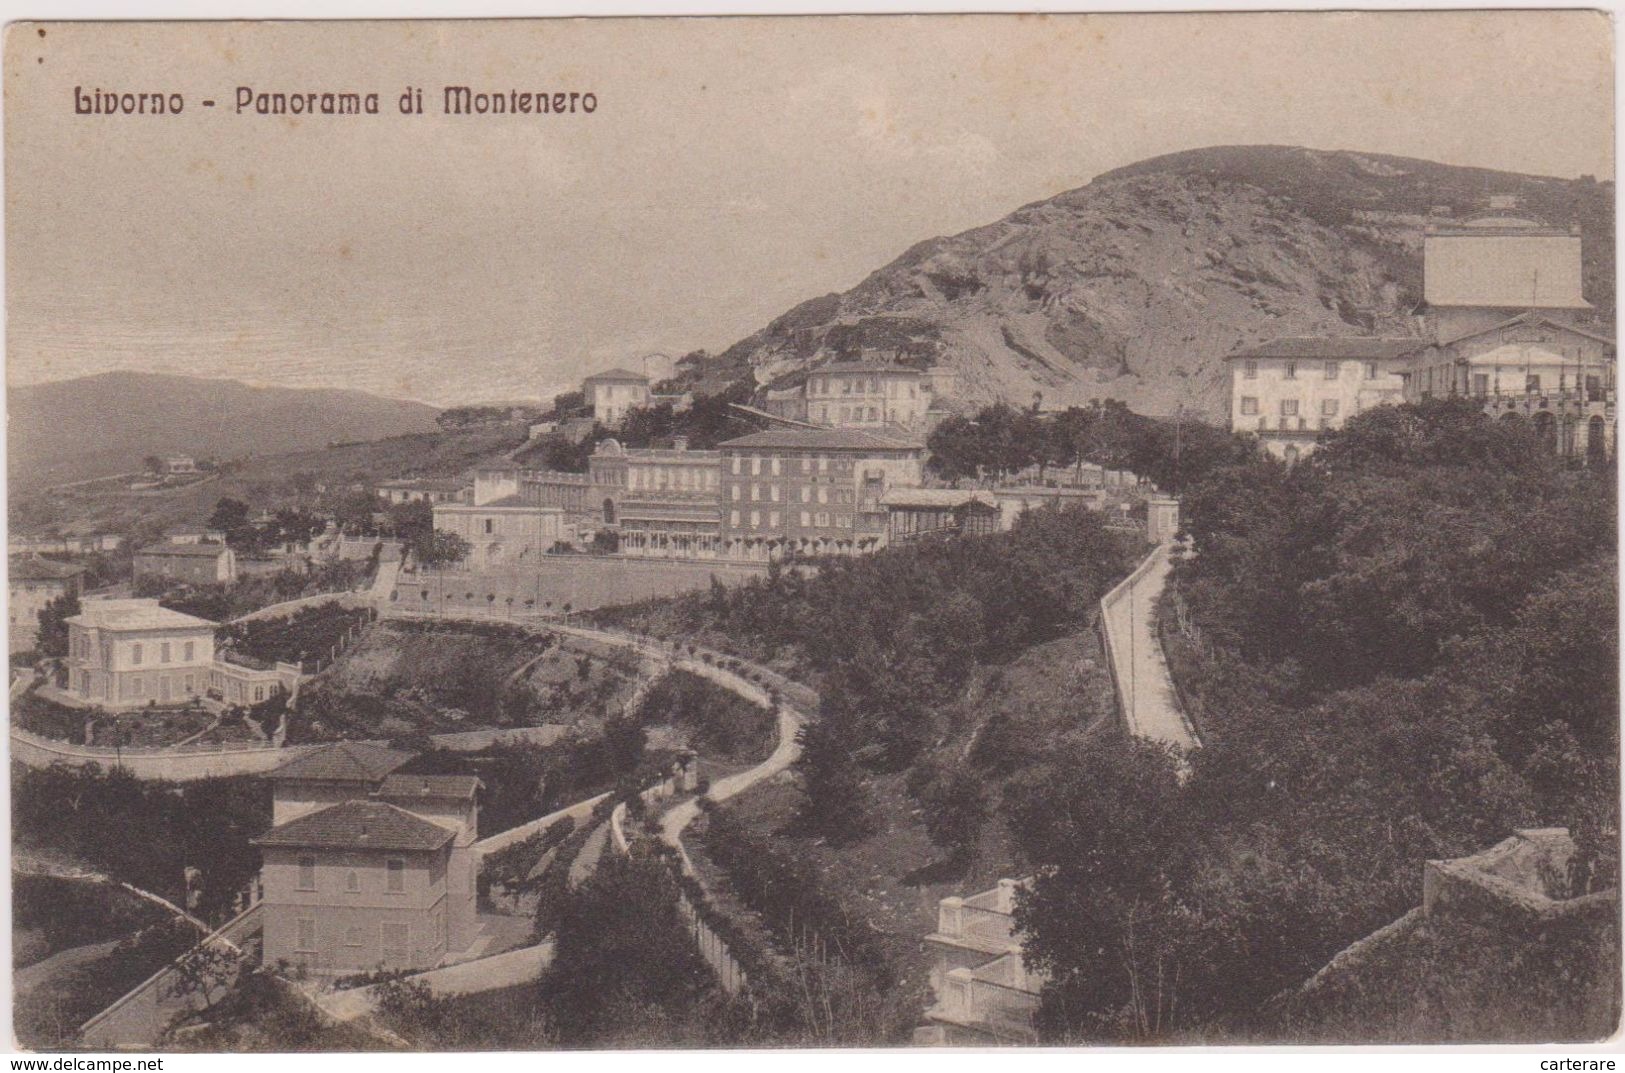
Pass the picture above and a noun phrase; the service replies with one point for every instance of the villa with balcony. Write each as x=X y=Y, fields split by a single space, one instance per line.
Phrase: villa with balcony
x=985 y=993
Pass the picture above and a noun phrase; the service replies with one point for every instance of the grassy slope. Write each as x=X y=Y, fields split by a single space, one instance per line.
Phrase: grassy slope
x=895 y=876
x=262 y=482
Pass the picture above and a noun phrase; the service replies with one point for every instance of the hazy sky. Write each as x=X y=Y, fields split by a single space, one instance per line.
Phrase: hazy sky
x=732 y=168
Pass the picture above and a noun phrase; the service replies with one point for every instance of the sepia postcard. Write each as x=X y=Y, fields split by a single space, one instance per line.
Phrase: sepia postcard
x=906 y=531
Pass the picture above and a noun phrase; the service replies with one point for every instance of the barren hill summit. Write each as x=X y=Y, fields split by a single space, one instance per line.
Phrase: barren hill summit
x=1137 y=285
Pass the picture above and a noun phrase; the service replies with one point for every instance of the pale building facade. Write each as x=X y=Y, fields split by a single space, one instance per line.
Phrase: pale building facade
x=614 y=392
x=503 y=533
x=365 y=868
x=1287 y=391
x=1557 y=376
x=422 y=490
x=1483 y=271
x=131 y=653
x=866 y=394
x=33 y=583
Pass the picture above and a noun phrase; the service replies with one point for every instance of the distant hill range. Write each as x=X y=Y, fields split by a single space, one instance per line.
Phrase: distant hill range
x=1137 y=285
x=106 y=424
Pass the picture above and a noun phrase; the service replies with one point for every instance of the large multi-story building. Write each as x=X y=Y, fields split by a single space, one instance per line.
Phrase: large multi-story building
x=1286 y=391
x=33 y=583
x=1503 y=319
x=800 y=491
x=132 y=653
x=868 y=393
x=366 y=868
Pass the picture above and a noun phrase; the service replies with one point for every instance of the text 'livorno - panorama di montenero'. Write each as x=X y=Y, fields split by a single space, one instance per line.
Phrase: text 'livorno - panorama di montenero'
x=246 y=100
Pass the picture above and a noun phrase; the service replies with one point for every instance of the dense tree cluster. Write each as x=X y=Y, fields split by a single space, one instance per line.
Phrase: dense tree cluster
x=1000 y=440
x=146 y=832
x=914 y=621
x=1400 y=649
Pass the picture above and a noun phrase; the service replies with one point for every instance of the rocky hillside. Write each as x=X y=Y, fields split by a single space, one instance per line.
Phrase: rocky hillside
x=1136 y=285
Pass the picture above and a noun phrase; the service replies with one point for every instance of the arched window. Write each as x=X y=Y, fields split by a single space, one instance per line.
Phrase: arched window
x=609 y=511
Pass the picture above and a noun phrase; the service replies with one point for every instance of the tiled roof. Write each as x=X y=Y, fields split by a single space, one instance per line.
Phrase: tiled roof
x=617 y=374
x=820 y=439
x=134 y=615
x=184 y=551
x=347 y=761
x=359 y=825
x=1315 y=347
x=409 y=787
x=32 y=568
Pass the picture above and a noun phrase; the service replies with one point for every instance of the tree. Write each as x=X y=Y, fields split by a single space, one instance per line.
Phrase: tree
x=205 y=971
x=53 y=625
x=955 y=806
x=441 y=548
x=153 y=464
x=835 y=801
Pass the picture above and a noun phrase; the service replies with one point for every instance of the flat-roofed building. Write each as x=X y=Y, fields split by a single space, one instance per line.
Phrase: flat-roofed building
x=917 y=513
x=195 y=564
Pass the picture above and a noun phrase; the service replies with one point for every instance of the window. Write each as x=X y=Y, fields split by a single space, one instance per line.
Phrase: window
x=822 y=519
x=1481 y=383
x=806 y=464
x=773 y=519
x=1331 y=370
x=755 y=493
x=1249 y=404
x=823 y=464
x=1370 y=370
x=806 y=520
x=397 y=937
x=1291 y=370
x=395 y=870
x=138 y=687
x=1531 y=384
x=736 y=465
x=188 y=651
x=307 y=873
x=733 y=519
x=189 y=686
x=775 y=465
x=773 y=493
x=1250 y=370
x=163 y=652
x=352 y=936
x=306 y=941
x=806 y=494
x=823 y=495
x=1328 y=407
x=755 y=519
x=735 y=490
x=135 y=654
x=488 y=523
x=352 y=881
x=1289 y=407
x=756 y=466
